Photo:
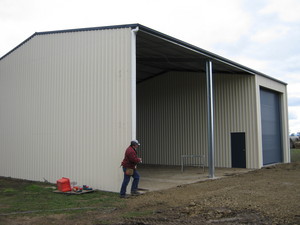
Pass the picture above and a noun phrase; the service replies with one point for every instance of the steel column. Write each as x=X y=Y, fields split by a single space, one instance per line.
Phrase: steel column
x=210 y=118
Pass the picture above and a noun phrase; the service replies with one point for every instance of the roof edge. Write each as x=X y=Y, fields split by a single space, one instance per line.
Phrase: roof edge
x=134 y=25
x=19 y=45
x=71 y=30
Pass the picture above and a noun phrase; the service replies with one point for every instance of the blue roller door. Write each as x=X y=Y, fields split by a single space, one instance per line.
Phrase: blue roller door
x=271 y=129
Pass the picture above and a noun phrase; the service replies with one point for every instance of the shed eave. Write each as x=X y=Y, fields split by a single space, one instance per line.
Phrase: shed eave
x=205 y=53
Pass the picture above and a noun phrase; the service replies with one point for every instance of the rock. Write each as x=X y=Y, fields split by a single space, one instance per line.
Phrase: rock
x=192 y=204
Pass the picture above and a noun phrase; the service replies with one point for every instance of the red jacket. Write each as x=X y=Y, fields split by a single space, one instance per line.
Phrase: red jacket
x=130 y=160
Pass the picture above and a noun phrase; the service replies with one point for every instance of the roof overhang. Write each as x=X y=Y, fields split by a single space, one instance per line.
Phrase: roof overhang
x=157 y=53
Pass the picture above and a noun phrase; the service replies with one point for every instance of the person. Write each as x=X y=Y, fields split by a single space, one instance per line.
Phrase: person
x=130 y=161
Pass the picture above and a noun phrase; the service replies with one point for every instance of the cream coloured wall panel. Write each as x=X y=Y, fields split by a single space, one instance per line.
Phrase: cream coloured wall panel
x=65 y=107
x=235 y=111
x=172 y=117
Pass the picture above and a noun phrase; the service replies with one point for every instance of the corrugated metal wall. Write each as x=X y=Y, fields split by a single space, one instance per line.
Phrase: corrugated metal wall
x=65 y=107
x=172 y=117
x=235 y=111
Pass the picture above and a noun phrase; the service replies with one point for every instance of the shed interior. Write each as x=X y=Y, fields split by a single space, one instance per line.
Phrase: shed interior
x=165 y=64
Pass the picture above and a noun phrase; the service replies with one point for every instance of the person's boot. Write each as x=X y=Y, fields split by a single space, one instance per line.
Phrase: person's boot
x=124 y=196
x=135 y=193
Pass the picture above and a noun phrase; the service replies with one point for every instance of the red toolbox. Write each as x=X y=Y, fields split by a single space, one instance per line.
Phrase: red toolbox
x=63 y=184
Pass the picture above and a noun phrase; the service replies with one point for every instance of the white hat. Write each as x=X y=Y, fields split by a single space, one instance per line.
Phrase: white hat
x=135 y=142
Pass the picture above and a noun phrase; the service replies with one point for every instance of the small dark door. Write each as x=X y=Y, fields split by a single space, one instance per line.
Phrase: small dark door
x=238 y=150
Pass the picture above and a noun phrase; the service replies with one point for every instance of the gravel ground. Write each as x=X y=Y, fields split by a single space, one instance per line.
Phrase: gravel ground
x=267 y=196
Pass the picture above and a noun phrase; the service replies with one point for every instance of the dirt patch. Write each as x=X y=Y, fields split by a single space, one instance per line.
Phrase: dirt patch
x=267 y=196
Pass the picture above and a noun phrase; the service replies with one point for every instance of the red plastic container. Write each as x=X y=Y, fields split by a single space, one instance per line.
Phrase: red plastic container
x=63 y=184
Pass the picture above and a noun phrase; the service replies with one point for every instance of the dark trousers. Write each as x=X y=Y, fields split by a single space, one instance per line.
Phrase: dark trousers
x=135 y=183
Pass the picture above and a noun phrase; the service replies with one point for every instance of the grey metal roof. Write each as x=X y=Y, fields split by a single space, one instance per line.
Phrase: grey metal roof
x=157 y=53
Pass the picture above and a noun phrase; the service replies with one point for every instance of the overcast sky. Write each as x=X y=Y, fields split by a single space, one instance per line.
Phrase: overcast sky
x=261 y=34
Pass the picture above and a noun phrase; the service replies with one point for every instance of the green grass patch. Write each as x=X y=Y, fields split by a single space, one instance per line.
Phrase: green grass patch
x=295 y=155
x=24 y=196
x=9 y=190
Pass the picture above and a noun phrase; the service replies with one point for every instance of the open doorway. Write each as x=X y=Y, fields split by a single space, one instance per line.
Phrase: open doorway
x=171 y=97
x=171 y=117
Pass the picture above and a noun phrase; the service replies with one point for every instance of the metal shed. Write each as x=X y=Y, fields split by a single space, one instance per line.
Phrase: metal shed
x=71 y=100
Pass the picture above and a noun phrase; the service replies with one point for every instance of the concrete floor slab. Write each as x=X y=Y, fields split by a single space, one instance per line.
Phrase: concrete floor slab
x=156 y=177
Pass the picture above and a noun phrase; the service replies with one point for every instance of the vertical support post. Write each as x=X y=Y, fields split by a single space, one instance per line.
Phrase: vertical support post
x=210 y=118
x=133 y=83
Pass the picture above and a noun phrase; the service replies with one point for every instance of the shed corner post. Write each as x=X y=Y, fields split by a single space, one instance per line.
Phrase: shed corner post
x=210 y=118
x=133 y=83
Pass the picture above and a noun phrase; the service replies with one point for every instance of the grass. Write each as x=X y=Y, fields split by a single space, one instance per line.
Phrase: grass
x=24 y=196
x=295 y=155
